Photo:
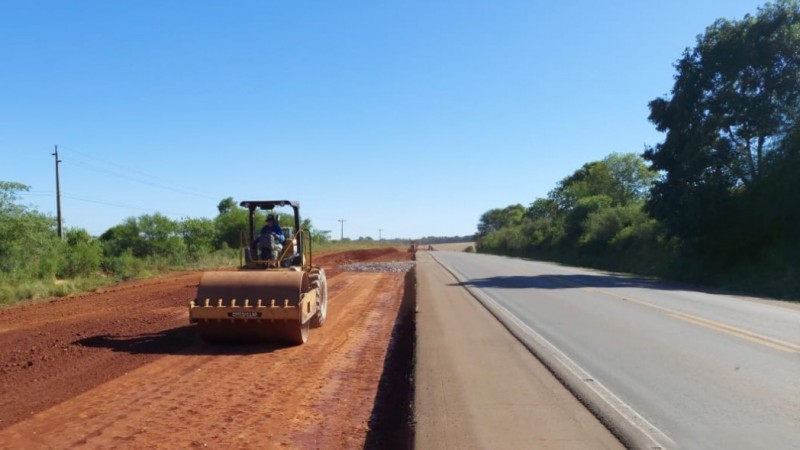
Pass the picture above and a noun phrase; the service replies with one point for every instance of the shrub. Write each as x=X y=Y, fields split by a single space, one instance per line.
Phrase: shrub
x=83 y=255
x=125 y=266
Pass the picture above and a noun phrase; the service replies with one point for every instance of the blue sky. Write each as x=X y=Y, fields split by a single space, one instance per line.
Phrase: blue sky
x=413 y=117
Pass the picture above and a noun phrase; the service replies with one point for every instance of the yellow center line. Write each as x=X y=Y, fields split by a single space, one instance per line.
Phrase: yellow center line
x=710 y=324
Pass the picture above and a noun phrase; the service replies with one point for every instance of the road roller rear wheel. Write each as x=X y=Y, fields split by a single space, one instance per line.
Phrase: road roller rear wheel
x=298 y=332
x=319 y=282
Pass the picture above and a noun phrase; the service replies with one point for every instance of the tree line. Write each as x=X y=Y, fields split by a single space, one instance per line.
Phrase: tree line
x=715 y=202
x=32 y=256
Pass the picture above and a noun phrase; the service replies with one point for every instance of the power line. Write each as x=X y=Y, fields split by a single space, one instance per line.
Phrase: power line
x=143 y=178
x=36 y=194
x=145 y=182
x=115 y=174
x=342 y=221
x=124 y=205
x=102 y=202
x=114 y=164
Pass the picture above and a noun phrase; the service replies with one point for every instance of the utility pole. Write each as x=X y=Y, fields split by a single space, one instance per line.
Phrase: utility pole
x=342 y=221
x=379 y=234
x=58 y=197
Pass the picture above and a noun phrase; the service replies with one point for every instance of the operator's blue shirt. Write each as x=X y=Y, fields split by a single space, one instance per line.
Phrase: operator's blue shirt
x=273 y=229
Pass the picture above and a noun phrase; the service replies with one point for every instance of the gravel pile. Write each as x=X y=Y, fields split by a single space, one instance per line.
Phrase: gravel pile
x=392 y=266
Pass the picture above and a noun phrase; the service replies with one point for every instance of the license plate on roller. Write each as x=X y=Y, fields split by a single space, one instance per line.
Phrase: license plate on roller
x=244 y=315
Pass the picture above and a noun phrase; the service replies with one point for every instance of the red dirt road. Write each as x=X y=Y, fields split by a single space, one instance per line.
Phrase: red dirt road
x=122 y=368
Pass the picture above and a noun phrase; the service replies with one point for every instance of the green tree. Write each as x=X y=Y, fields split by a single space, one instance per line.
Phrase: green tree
x=145 y=236
x=198 y=235
x=229 y=226
x=622 y=177
x=226 y=205
x=121 y=238
x=29 y=247
x=9 y=197
x=735 y=99
x=543 y=209
x=317 y=236
x=593 y=179
x=496 y=219
x=632 y=177
x=510 y=240
x=160 y=236
x=83 y=254
x=575 y=220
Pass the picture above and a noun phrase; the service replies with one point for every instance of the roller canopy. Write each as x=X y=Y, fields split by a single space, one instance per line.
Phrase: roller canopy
x=268 y=204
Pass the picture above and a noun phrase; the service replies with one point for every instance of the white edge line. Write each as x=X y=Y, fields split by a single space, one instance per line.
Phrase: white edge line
x=612 y=399
x=625 y=410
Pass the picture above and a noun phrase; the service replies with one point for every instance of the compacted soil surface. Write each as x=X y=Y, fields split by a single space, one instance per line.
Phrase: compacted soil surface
x=123 y=368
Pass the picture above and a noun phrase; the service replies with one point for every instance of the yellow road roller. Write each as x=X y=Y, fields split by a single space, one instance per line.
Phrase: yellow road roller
x=275 y=295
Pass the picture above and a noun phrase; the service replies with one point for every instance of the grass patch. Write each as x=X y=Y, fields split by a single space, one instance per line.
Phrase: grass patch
x=337 y=246
x=216 y=260
x=17 y=291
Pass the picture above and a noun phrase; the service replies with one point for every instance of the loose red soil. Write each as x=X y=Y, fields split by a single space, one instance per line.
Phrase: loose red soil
x=122 y=368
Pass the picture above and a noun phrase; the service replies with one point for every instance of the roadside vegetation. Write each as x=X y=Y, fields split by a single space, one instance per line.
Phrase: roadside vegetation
x=35 y=263
x=716 y=202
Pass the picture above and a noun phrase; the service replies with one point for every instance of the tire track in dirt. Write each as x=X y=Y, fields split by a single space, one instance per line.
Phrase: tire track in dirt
x=347 y=381
x=47 y=353
x=162 y=388
x=244 y=397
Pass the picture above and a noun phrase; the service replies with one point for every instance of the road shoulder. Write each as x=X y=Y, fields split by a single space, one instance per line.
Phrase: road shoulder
x=476 y=386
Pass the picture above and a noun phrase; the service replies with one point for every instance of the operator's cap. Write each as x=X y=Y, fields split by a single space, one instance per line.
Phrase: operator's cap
x=270 y=217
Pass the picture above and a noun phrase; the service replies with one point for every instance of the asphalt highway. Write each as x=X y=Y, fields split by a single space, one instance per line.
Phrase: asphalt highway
x=688 y=369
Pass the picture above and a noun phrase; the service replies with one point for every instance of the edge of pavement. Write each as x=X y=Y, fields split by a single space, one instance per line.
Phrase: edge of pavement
x=632 y=430
x=478 y=386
